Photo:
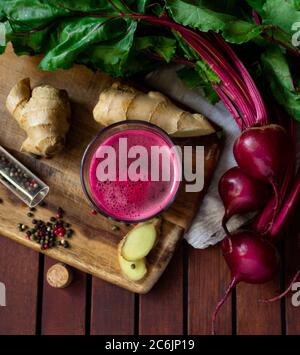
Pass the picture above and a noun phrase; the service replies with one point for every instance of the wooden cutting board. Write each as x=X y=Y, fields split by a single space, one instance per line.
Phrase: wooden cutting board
x=94 y=245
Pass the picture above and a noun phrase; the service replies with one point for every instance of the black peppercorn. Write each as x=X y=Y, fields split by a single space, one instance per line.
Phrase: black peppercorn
x=70 y=233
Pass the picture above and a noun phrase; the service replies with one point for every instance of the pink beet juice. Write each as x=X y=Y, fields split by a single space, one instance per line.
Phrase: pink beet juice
x=139 y=198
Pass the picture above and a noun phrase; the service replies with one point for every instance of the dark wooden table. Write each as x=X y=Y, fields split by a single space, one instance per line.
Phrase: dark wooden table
x=181 y=303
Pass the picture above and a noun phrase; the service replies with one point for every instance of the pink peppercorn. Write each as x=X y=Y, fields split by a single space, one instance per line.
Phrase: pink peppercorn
x=61 y=231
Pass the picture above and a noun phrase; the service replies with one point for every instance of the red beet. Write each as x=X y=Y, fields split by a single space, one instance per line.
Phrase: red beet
x=250 y=259
x=241 y=193
x=263 y=153
x=260 y=152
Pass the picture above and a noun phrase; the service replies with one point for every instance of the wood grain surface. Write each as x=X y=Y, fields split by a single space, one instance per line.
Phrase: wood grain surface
x=94 y=246
x=19 y=316
x=64 y=310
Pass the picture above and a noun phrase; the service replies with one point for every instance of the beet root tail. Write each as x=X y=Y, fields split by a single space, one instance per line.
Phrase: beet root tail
x=285 y=293
x=224 y=224
x=230 y=287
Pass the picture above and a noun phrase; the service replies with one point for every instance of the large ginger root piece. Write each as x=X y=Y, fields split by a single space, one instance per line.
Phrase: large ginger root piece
x=43 y=113
x=121 y=102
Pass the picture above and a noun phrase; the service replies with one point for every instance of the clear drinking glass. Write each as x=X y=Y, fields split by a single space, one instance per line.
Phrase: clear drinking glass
x=161 y=201
x=21 y=181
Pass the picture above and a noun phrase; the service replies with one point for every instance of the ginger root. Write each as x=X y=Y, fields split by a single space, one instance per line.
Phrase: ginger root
x=140 y=240
x=121 y=102
x=135 y=246
x=133 y=270
x=43 y=113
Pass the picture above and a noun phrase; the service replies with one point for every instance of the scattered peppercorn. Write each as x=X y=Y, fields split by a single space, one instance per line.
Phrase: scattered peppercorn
x=70 y=233
x=64 y=243
x=132 y=266
x=60 y=210
x=115 y=228
x=48 y=234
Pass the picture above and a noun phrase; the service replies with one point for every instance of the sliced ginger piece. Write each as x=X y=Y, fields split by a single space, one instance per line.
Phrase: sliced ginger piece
x=140 y=240
x=133 y=270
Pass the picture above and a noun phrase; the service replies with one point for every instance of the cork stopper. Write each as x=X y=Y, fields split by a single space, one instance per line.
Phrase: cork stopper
x=59 y=276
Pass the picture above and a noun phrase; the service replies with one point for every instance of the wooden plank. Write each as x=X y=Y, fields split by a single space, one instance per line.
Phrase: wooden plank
x=253 y=317
x=63 y=311
x=112 y=309
x=292 y=263
x=94 y=249
x=161 y=310
x=208 y=278
x=19 y=272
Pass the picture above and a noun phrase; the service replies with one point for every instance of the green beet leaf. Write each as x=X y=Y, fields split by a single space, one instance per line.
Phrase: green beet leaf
x=201 y=17
x=282 y=14
x=277 y=71
x=111 y=56
x=165 y=47
x=73 y=36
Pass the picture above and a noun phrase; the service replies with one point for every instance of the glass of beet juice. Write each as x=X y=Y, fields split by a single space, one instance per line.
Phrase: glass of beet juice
x=131 y=171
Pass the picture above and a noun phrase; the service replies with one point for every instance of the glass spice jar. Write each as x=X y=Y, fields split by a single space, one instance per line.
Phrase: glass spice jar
x=21 y=181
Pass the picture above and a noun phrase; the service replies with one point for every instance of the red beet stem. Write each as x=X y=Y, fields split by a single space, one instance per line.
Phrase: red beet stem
x=261 y=117
x=289 y=206
x=227 y=84
x=230 y=105
x=277 y=201
x=285 y=293
x=231 y=81
x=224 y=225
x=230 y=287
x=263 y=221
x=256 y=17
x=219 y=57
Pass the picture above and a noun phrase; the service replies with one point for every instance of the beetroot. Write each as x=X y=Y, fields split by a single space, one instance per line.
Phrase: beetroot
x=262 y=152
x=241 y=193
x=251 y=259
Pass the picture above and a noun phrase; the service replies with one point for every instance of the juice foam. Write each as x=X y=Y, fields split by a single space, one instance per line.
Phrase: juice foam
x=134 y=200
